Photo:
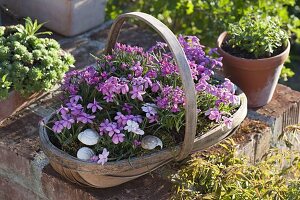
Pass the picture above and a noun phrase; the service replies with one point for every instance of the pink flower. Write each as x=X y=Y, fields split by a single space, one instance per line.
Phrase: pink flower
x=103 y=157
x=228 y=121
x=214 y=114
x=137 y=92
x=118 y=138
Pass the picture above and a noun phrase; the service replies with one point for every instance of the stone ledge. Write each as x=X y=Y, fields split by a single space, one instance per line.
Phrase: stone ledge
x=283 y=110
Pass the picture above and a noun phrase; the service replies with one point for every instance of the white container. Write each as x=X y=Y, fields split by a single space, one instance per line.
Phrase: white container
x=67 y=17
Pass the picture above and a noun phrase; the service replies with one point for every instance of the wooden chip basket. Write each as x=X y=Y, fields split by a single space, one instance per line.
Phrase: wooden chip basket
x=115 y=173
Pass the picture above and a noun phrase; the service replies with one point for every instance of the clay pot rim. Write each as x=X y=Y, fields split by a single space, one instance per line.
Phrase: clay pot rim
x=224 y=34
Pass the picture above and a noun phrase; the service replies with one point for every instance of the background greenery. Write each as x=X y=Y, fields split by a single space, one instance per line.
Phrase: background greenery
x=208 y=18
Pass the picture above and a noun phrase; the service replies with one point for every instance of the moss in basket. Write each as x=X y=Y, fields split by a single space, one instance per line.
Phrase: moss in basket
x=28 y=63
x=256 y=37
x=133 y=93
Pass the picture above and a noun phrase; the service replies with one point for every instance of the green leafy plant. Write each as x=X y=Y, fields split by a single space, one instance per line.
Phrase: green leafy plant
x=4 y=85
x=256 y=37
x=28 y=63
x=31 y=28
x=224 y=176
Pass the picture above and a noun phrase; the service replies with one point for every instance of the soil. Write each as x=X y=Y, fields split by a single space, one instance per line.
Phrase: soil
x=238 y=52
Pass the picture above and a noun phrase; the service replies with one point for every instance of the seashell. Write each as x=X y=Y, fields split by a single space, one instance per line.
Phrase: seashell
x=89 y=137
x=85 y=153
x=150 y=142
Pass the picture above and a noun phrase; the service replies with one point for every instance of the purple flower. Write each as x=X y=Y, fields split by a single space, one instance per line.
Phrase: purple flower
x=103 y=157
x=155 y=87
x=111 y=128
x=152 y=118
x=103 y=126
x=228 y=121
x=94 y=106
x=67 y=121
x=162 y=102
x=124 y=88
x=57 y=127
x=74 y=99
x=149 y=108
x=63 y=110
x=109 y=98
x=85 y=118
x=229 y=86
x=137 y=68
x=76 y=109
x=136 y=118
x=126 y=107
x=151 y=74
x=214 y=114
x=94 y=158
x=151 y=112
x=136 y=143
x=121 y=119
x=118 y=138
x=137 y=92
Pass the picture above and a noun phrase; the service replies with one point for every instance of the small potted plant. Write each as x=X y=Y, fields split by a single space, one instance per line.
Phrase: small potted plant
x=137 y=110
x=29 y=65
x=254 y=51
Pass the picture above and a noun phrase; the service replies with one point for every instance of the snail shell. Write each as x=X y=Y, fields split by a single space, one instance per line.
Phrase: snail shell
x=150 y=142
x=89 y=137
x=85 y=153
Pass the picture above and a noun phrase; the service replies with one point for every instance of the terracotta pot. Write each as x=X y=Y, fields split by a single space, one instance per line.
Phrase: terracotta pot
x=15 y=102
x=256 y=77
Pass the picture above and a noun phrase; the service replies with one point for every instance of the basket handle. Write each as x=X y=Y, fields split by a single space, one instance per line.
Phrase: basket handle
x=184 y=71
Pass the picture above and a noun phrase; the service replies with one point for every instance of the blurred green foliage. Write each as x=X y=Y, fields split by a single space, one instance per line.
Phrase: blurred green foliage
x=208 y=18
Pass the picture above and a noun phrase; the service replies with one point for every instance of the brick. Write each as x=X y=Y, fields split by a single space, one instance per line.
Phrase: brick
x=18 y=145
x=283 y=110
x=13 y=191
x=253 y=139
x=149 y=187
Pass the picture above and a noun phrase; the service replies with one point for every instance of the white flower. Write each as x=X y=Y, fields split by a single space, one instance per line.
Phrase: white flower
x=133 y=126
x=103 y=157
x=138 y=132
